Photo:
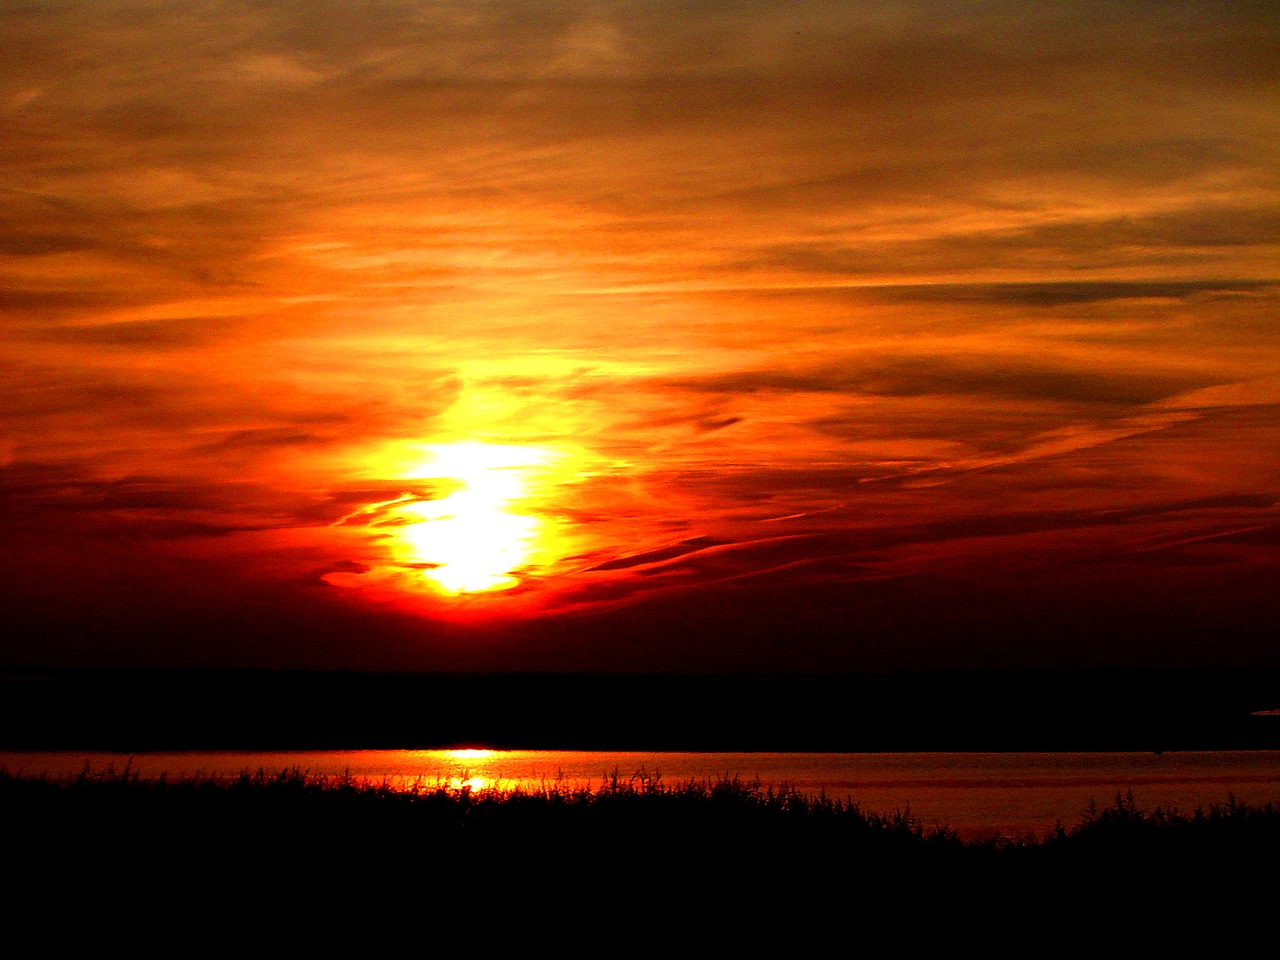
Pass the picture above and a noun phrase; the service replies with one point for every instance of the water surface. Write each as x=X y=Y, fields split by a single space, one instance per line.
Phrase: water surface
x=977 y=794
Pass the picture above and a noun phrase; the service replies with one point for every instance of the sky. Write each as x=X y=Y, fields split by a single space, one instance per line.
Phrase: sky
x=661 y=336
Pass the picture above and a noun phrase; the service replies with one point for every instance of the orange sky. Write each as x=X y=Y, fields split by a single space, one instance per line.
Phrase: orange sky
x=803 y=335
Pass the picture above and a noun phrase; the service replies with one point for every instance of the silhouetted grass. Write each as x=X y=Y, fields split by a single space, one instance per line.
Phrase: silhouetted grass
x=290 y=802
x=249 y=835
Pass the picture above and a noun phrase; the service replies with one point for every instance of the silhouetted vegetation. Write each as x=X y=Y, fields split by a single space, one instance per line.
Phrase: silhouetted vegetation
x=637 y=825
x=289 y=851
x=290 y=806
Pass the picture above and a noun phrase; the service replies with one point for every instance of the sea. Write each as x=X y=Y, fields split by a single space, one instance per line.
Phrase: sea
x=978 y=795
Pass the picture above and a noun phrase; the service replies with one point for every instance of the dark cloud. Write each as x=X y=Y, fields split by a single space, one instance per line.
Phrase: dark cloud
x=166 y=334
x=266 y=438
x=35 y=390
x=25 y=302
x=848 y=545
x=712 y=424
x=44 y=488
x=116 y=241
x=126 y=412
x=1005 y=377
x=991 y=429
x=58 y=497
x=1266 y=536
x=692 y=545
x=1171 y=233
x=40 y=243
x=1054 y=294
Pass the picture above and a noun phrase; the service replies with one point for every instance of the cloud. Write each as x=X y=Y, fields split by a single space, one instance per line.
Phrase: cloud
x=1054 y=294
x=1263 y=391
x=67 y=499
x=266 y=438
x=1000 y=377
x=682 y=549
x=173 y=333
x=20 y=302
x=317 y=576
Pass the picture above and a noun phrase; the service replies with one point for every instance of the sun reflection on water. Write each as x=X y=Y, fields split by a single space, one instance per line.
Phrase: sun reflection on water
x=466 y=779
x=468 y=754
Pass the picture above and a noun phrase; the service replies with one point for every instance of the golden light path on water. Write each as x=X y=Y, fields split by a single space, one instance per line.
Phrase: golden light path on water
x=978 y=794
x=465 y=778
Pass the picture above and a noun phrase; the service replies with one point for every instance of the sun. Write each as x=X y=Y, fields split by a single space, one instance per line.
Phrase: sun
x=475 y=538
x=473 y=519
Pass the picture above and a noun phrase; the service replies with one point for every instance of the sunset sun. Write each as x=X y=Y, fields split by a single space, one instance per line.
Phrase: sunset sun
x=476 y=538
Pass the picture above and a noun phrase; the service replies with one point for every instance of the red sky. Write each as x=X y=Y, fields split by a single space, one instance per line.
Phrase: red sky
x=805 y=335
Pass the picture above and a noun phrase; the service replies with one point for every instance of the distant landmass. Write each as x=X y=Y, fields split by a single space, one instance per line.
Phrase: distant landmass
x=1004 y=711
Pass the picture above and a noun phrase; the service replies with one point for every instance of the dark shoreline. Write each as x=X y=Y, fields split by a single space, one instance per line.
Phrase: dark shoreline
x=115 y=841
x=142 y=710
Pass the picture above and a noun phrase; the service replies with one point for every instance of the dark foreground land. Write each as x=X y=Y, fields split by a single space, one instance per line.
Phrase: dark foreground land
x=705 y=865
x=272 y=843
x=138 y=710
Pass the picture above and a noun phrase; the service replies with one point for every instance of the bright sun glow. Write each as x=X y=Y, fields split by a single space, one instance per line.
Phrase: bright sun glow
x=474 y=539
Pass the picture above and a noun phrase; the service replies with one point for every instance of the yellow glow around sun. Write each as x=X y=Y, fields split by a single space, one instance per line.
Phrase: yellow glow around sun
x=475 y=538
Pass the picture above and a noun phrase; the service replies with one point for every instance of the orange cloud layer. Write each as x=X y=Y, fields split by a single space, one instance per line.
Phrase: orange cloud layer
x=825 y=307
